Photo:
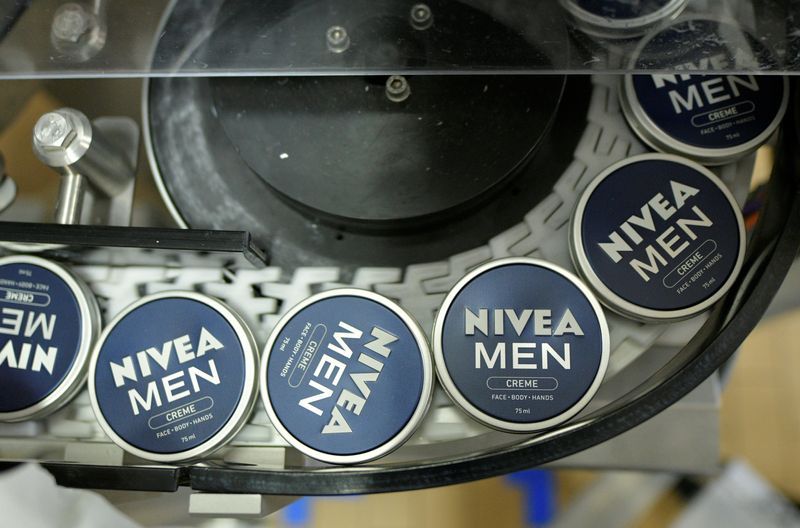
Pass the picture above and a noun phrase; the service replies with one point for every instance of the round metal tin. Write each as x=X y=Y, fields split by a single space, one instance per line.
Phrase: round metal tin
x=48 y=323
x=711 y=118
x=521 y=345
x=346 y=376
x=657 y=237
x=619 y=19
x=173 y=376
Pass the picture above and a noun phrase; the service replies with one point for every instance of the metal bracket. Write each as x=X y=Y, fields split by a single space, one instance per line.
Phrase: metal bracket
x=97 y=163
x=236 y=505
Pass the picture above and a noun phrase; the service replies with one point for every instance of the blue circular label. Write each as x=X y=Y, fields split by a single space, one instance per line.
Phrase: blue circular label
x=522 y=343
x=715 y=111
x=345 y=375
x=623 y=9
x=660 y=234
x=170 y=375
x=40 y=334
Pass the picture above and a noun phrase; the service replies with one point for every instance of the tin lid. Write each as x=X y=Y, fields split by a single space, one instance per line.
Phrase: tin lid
x=621 y=18
x=658 y=237
x=714 y=118
x=48 y=322
x=346 y=376
x=173 y=377
x=521 y=345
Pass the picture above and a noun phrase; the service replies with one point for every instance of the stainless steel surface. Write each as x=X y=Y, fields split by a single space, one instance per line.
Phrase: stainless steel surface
x=66 y=141
x=60 y=138
x=95 y=167
x=69 y=207
x=8 y=189
x=236 y=505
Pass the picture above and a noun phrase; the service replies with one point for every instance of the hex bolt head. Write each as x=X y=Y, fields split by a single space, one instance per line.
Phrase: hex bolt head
x=62 y=137
x=397 y=88
x=54 y=131
x=421 y=17
x=337 y=39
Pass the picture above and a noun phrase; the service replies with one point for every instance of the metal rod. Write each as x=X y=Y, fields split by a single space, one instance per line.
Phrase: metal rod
x=66 y=141
x=70 y=199
x=8 y=189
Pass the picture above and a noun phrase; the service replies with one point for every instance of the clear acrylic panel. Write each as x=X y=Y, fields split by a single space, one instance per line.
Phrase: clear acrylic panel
x=56 y=39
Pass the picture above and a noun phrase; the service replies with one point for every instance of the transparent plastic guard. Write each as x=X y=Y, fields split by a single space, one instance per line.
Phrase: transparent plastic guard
x=54 y=39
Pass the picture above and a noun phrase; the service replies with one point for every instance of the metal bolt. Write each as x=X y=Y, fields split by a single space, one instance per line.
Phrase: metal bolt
x=8 y=189
x=66 y=141
x=397 y=88
x=71 y=192
x=338 y=39
x=421 y=16
x=87 y=162
x=71 y=22
x=78 y=30
x=53 y=131
x=62 y=137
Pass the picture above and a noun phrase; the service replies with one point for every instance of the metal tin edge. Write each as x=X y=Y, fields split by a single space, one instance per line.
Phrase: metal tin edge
x=455 y=393
x=602 y=27
x=240 y=413
x=604 y=293
x=90 y=324
x=419 y=412
x=655 y=137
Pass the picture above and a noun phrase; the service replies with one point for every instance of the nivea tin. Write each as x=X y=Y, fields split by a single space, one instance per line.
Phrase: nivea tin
x=48 y=323
x=621 y=18
x=658 y=237
x=711 y=118
x=521 y=344
x=346 y=376
x=173 y=377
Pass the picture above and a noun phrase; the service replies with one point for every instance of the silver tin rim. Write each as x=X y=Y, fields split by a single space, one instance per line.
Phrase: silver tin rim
x=599 y=26
x=240 y=414
x=458 y=397
x=656 y=138
x=29 y=247
x=614 y=301
x=422 y=405
x=90 y=324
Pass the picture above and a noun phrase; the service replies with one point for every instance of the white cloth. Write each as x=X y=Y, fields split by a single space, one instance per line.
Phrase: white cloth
x=29 y=497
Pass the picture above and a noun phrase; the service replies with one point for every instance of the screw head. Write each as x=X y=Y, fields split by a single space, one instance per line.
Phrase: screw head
x=397 y=88
x=54 y=131
x=71 y=22
x=421 y=16
x=337 y=39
